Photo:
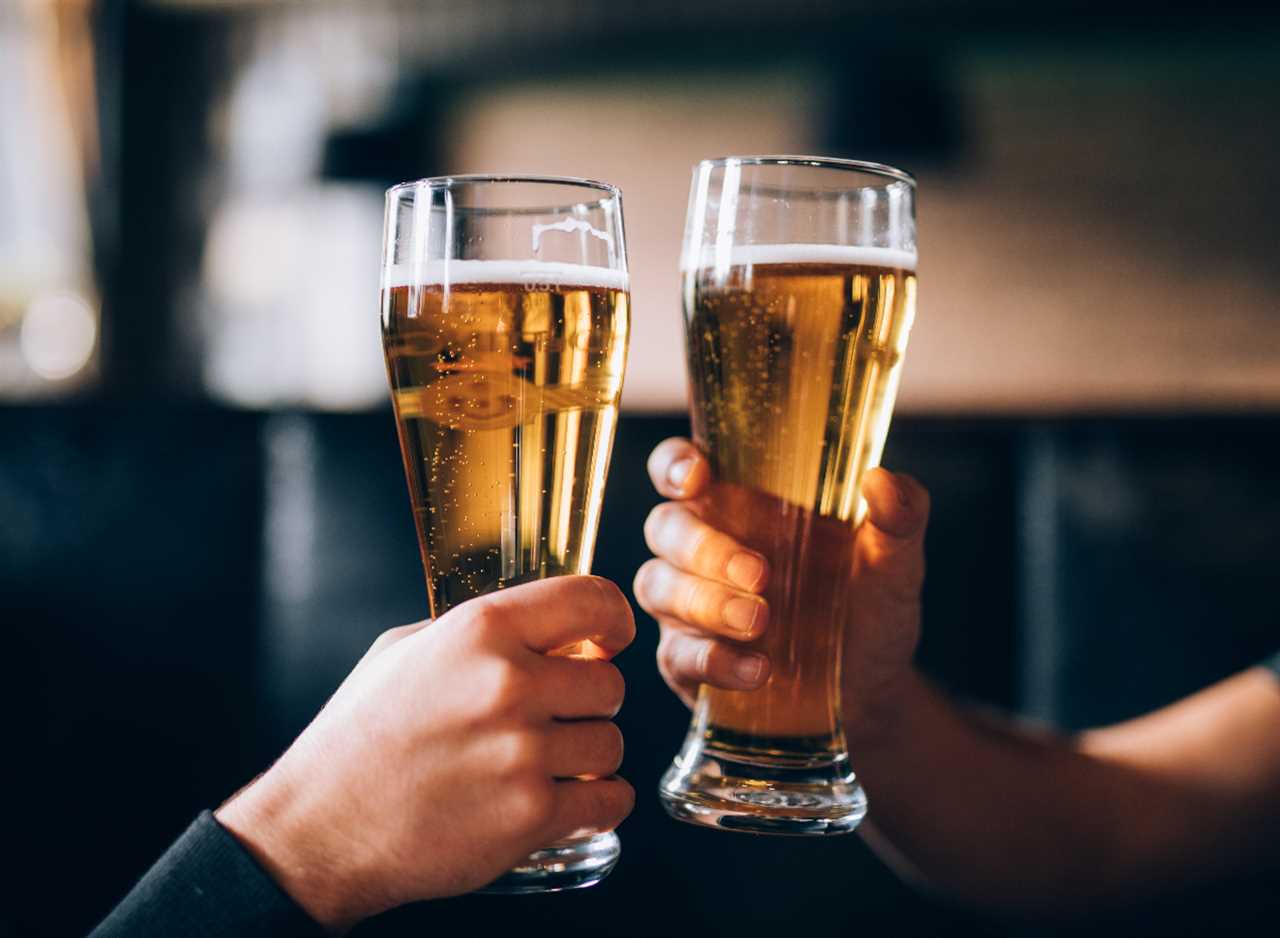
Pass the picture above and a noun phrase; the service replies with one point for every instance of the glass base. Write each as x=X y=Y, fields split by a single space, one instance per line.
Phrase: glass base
x=575 y=863
x=764 y=790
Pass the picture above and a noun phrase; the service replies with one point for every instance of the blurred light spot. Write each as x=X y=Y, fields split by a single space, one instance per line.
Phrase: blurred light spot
x=291 y=299
x=292 y=510
x=58 y=334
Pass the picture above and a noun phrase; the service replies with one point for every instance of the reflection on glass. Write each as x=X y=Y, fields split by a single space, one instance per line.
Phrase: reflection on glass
x=799 y=292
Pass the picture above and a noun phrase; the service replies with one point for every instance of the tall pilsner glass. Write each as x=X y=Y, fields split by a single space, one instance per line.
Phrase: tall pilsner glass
x=799 y=291
x=505 y=316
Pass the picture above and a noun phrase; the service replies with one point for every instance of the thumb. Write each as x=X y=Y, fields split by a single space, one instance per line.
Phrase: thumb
x=890 y=545
x=678 y=469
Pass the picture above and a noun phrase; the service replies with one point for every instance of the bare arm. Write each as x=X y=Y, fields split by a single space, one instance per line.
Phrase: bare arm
x=998 y=815
x=1024 y=821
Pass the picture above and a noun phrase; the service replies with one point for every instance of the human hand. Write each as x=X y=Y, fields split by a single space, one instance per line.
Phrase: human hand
x=704 y=587
x=452 y=751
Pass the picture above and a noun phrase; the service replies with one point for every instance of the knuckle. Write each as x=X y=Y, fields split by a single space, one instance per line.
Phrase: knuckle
x=661 y=525
x=627 y=625
x=485 y=621
x=696 y=540
x=609 y=593
x=502 y=686
x=616 y=802
x=653 y=525
x=615 y=686
x=613 y=748
x=521 y=754
x=684 y=596
x=615 y=610
x=530 y=803
x=641 y=585
x=657 y=461
x=703 y=601
x=626 y=797
x=653 y=585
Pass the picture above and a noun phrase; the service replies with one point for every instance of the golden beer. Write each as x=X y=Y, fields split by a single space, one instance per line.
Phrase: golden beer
x=505 y=385
x=505 y=317
x=799 y=292
x=794 y=355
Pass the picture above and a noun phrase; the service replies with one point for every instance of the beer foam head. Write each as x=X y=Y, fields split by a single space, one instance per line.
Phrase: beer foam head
x=522 y=273
x=744 y=255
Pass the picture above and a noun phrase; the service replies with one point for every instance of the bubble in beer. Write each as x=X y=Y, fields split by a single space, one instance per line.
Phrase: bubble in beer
x=794 y=353
x=505 y=386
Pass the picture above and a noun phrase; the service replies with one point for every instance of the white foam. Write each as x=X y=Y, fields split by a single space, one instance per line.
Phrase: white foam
x=744 y=255
x=524 y=273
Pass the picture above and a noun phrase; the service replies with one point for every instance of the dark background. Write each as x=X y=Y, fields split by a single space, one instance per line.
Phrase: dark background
x=185 y=578
x=182 y=588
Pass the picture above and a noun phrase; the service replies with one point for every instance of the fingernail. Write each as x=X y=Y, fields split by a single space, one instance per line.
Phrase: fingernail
x=679 y=471
x=745 y=570
x=749 y=668
x=742 y=614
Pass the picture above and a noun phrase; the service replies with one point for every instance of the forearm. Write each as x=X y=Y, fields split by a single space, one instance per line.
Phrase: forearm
x=1213 y=761
x=1023 y=821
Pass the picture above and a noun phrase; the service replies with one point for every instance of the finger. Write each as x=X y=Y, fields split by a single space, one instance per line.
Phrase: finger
x=686 y=659
x=665 y=591
x=891 y=542
x=586 y=748
x=579 y=688
x=559 y=611
x=680 y=537
x=595 y=806
x=678 y=469
x=680 y=684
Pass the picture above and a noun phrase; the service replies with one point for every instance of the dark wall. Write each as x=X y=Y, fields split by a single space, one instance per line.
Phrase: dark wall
x=181 y=588
x=130 y=575
x=1145 y=553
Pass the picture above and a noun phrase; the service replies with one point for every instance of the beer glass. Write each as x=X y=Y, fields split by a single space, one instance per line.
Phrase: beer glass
x=505 y=317
x=799 y=291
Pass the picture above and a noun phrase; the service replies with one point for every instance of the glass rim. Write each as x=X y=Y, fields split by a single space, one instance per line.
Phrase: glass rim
x=446 y=182
x=817 y=162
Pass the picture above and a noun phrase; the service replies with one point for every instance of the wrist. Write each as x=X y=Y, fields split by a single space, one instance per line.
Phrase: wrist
x=879 y=718
x=272 y=820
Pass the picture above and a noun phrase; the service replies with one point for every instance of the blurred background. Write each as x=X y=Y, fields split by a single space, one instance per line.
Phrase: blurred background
x=203 y=518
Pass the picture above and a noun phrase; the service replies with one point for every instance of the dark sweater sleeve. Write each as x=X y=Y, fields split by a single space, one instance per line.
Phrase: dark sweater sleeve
x=207 y=886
